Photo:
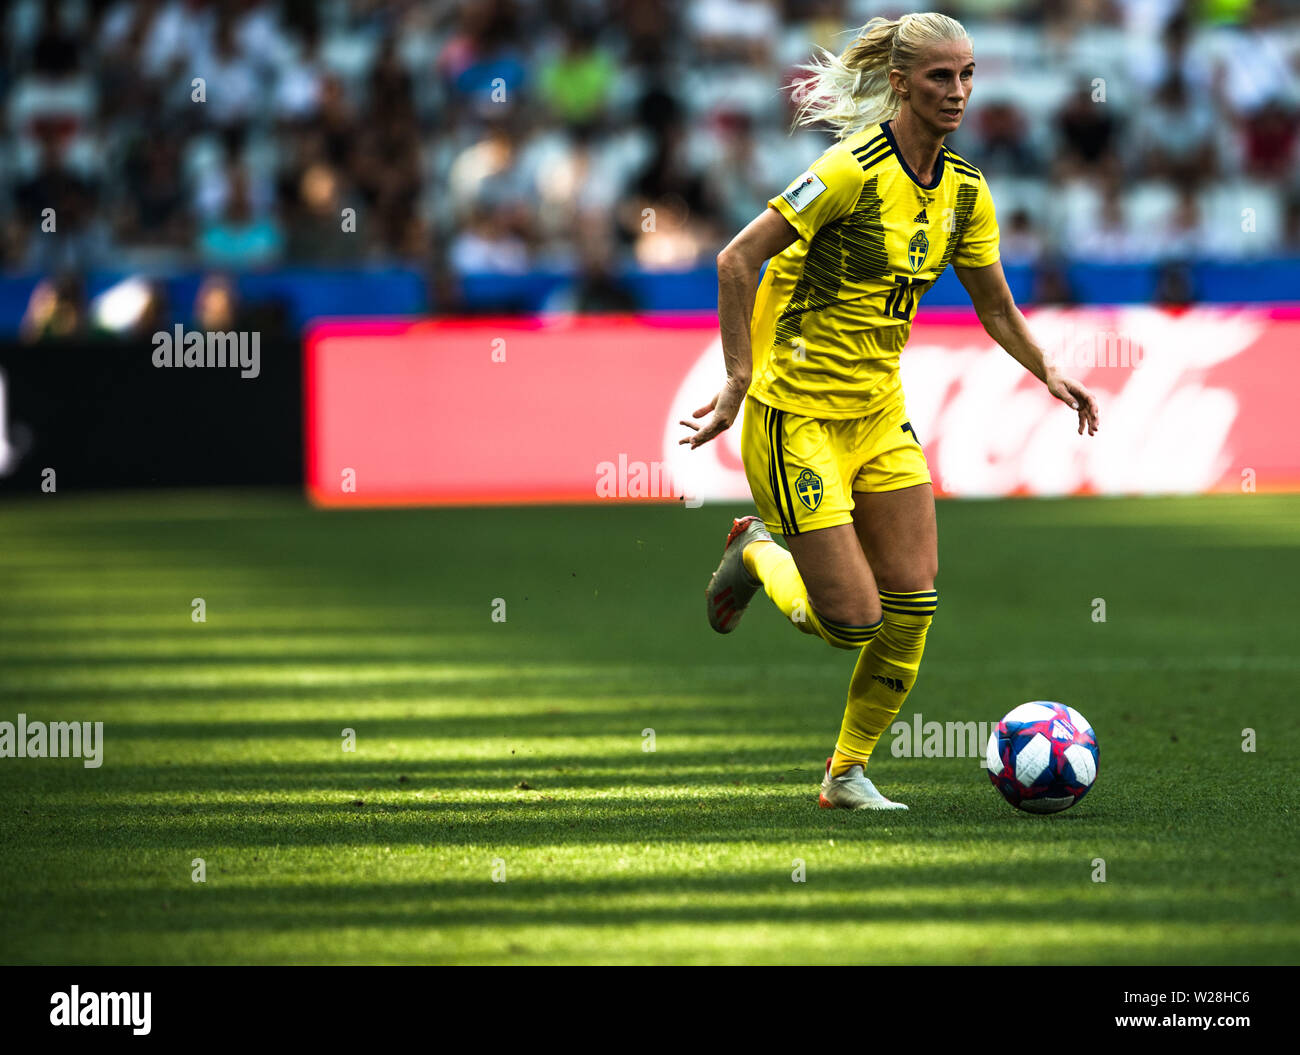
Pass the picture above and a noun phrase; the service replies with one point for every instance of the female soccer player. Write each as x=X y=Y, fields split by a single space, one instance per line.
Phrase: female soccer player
x=832 y=461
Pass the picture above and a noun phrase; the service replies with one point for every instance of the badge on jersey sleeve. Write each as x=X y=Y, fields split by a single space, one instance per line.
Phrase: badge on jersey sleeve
x=803 y=191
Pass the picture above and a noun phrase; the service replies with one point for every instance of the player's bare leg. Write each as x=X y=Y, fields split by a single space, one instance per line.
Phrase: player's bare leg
x=899 y=536
x=840 y=583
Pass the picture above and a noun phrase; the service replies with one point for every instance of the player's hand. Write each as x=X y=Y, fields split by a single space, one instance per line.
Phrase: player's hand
x=1077 y=398
x=724 y=407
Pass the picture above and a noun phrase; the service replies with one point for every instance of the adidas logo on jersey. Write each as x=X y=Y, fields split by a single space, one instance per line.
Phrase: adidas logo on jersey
x=920 y=217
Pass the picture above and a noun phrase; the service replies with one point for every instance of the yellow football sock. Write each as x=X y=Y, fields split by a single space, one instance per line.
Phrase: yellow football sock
x=884 y=675
x=775 y=568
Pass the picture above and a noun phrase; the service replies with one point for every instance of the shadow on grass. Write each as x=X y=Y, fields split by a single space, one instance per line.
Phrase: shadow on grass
x=529 y=678
x=624 y=717
x=765 y=895
x=698 y=814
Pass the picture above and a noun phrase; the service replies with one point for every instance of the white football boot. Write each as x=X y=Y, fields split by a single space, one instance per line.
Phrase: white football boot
x=732 y=587
x=851 y=790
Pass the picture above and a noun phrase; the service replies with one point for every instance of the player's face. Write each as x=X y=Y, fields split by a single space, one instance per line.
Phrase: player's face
x=940 y=85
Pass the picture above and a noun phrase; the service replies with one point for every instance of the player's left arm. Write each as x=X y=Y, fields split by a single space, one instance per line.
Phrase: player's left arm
x=1005 y=323
x=978 y=265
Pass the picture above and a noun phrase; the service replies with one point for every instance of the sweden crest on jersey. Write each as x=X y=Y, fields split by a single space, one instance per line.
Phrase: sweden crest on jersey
x=808 y=486
x=917 y=249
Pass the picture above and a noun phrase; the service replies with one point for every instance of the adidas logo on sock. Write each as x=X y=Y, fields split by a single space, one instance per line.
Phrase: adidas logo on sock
x=890 y=683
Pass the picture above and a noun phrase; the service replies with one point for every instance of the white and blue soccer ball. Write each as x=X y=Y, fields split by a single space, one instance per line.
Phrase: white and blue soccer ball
x=1043 y=757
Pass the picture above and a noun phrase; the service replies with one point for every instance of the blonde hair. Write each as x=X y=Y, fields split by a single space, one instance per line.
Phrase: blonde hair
x=851 y=91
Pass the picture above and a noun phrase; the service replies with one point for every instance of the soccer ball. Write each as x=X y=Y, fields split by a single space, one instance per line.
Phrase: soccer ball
x=1043 y=757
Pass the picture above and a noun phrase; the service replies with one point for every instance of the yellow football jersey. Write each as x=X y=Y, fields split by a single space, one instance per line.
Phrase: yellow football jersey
x=835 y=308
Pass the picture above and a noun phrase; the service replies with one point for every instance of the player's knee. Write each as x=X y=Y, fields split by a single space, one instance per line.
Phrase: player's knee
x=848 y=608
x=911 y=579
x=849 y=622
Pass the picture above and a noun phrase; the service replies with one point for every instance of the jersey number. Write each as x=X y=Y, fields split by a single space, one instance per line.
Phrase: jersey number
x=901 y=301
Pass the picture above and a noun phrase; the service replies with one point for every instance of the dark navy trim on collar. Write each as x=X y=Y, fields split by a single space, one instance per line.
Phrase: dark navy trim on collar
x=893 y=144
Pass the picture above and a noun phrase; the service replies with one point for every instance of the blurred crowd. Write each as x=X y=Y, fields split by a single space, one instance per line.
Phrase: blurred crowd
x=590 y=135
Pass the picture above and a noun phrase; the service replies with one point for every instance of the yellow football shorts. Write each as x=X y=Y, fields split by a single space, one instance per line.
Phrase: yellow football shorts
x=803 y=471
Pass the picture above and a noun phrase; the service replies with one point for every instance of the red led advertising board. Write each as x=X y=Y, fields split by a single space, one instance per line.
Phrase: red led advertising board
x=585 y=409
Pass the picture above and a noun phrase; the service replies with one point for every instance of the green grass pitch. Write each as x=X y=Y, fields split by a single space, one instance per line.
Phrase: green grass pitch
x=514 y=749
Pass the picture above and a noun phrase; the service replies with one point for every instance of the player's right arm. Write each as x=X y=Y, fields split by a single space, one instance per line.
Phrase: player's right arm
x=739 y=266
x=819 y=196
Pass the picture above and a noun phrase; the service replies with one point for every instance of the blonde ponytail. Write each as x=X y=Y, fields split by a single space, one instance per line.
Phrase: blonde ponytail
x=851 y=91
